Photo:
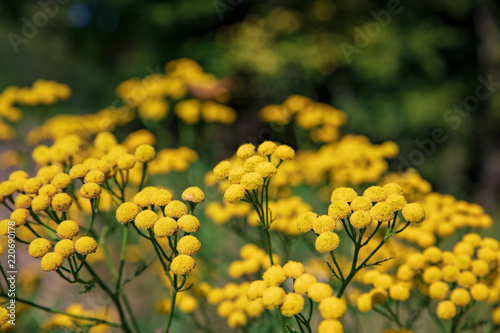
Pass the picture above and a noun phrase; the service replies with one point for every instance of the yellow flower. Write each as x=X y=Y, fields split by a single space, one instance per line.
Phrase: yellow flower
x=68 y=229
x=330 y=326
x=302 y=284
x=256 y=289
x=284 y=153
x=161 y=198
x=65 y=247
x=61 y=180
x=332 y=308
x=234 y=193
x=32 y=185
x=292 y=304
x=397 y=201
x=19 y=216
x=146 y=219
x=182 y=265
x=188 y=245
x=375 y=193
x=39 y=247
x=165 y=226
x=61 y=202
x=4 y=316
x=364 y=302
x=326 y=242
x=126 y=212
x=40 y=203
x=361 y=203
x=252 y=181
x=90 y=191
x=460 y=297
x=274 y=275
x=235 y=175
x=446 y=310
x=48 y=190
x=399 y=292
x=319 y=291
x=382 y=211
x=23 y=201
x=266 y=148
x=153 y=108
x=145 y=153
x=95 y=176
x=51 y=261
x=222 y=169
x=360 y=219
x=245 y=151
x=414 y=213
x=273 y=297
x=346 y=194
x=323 y=224
x=251 y=163
x=392 y=188
x=439 y=290
x=265 y=169
x=85 y=245
x=480 y=292
x=305 y=221
x=176 y=209
x=193 y=194
x=125 y=162
x=378 y=295
x=188 y=223
x=237 y=319
x=293 y=269
x=339 y=209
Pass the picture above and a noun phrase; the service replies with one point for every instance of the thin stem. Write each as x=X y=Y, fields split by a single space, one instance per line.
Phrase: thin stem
x=122 y=256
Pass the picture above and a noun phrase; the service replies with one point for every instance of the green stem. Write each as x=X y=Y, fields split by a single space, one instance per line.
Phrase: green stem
x=172 y=304
x=122 y=256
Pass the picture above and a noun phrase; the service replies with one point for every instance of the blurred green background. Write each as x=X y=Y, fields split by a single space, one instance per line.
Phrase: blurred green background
x=397 y=68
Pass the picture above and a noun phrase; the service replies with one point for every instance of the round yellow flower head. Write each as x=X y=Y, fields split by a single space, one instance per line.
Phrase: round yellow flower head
x=450 y=273
x=85 y=245
x=48 y=190
x=188 y=245
x=165 y=227
x=305 y=221
x=383 y=281
x=126 y=212
x=439 y=290
x=480 y=267
x=182 y=265
x=32 y=185
x=144 y=198
x=222 y=169
x=361 y=203
x=78 y=171
x=145 y=153
x=284 y=153
x=339 y=209
x=446 y=310
x=382 y=211
x=274 y=275
x=256 y=289
x=319 y=291
x=4 y=227
x=193 y=194
x=40 y=203
x=237 y=319
x=460 y=297
x=23 y=201
x=251 y=163
x=176 y=209
x=292 y=305
x=161 y=198
x=399 y=292
x=188 y=223
x=330 y=326
x=265 y=169
x=392 y=188
x=432 y=274
x=102 y=166
x=466 y=279
x=416 y=261
x=360 y=219
x=95 y=176
x=266 y=148
x=414 y=213
x=235 y=175
x=433 y=254
x=326 y=242
x=397 y=201
x=234 y=193
x=39 y=247
x=252 y=181
x=346 y=194
x=61 y=180
x=65 y=247
x=104 y=140
x=18 y=174
x=323 y=224
x=19 y=216
x=302 y=284
x=68 y=229
x=273 y=297
x=90 y=191
x=375 y=193
x=332 y=308
x=61 y=202
x=293 y=269
x=364 y=302
x=125 y=162
x=4 y=316
x=245 y=151
x=51 y=262
x=146 y=219
x=495 y=316
x=480 y=292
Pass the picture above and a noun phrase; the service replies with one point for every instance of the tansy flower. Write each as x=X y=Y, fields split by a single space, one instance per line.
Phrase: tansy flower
x=446 y=310
x=188 y=245
x=293 y=269
x=234 y=193
x=61 y=180
x=382 y=211
x=32 y=185
x=399 y=292
x=416 y=261
x=61 y=202
x=4 y=316
x=221 y=170
x=495 y=316
x=40 y=203
x=251 y=163
x=323 y=223
x=292 y=304
x=176 y=209
x=48 y=190
x=126 y=212
x=480 y=292
x=90 y=191
x=330 y=326
x=284 y=153
x=237 y=319
x=361 y=203
x=305 y=221
x=188 y=223
x=23 y=201
x=85 y=245
x=265 y=169
x=378 y=295
x=450 y=273
x=165 y=226
x=405 y=273
x=397 y=201
x=7 y=188
x=145 y=153
x=392 y=188
x=143 y=198
x=274 y=275
x=266 y=148
x=146 y=219
x=414 y=213
x=65 y=247
x=193 y=194
x=251 y=181
x=383 y=281
x=466 y=279
x=51 y=261
x=326 y=242
x=364 y=302
x=182 y=265
x=161 y=197
x=302 y=284
x=439 y=290
x=346 y=194
x=460 y=297
x=375 y=193
x=19 y=216
x=39 y=247
x=319 y=291
x=360 y=219
x=125 y=162
x=273 y=297
x=332 y=308
x=339 y=209
x=68 y=229
x=431 y=274
x=235 y=175
x=245 y=151
x=256 y=289
x=95 y=176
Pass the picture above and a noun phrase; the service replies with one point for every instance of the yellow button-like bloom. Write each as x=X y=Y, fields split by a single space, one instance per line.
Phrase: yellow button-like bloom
x=23 y=201
x=146 y=219
x=285 y=153
x=193 y=194
x=319 y=291
x=265 y=169
x=19 y=216
x=4 y=316
x=399 y=292
x=165 y=226
x=245 y=151
x=32 y=185
x=51 y=261
x=234 y=193
x=145 y=153
x=61 y=202
x=274 y=275
x=293 y=269
x=61 y=180
x=414 y=213
x=292 y=305
x=40 y=203
x=256 y=289
x=346 y=194
x=182 y=265
x=339 y=209
x=252 y=181
x=273 y=297
x=68 y=229
x=65 y=247
x=305 y=221
x=330 y=326
x=95 y=176
x=332 y=308
x=126 y=212
x=188 y=223
x=360 y=219
x=237 y=319
x=361 y=203
x=446 y=310
x=188 y=245
x=324 y=223
x=39 y=247
x=302 y=284
x=222 y=169
x=161 y=198
x=48 y=190
x=460 y=297
x=480 y=292
x=439 y=290
x=176 y=209
x=86 y=245
x=327 y=242
x=266 y=148
x=375 y=193
x=90 y=191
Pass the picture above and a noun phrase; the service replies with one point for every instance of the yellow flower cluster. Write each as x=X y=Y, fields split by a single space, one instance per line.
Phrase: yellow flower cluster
x=414 y=186
x=223 y=213
x=71 y=323
x=322 y=120
x=252 y=259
